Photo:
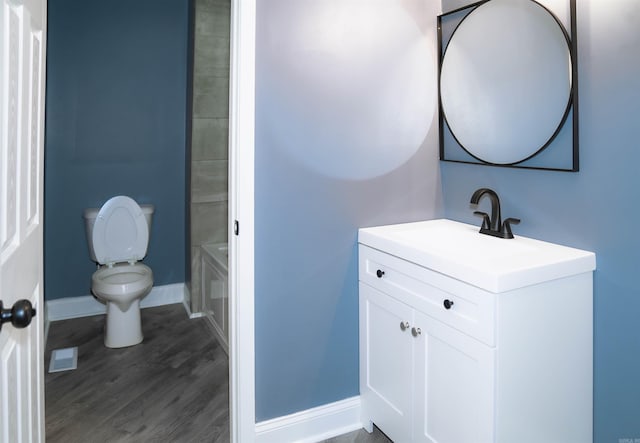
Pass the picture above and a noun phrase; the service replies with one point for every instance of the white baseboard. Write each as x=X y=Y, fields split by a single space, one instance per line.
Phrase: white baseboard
x=312 y=425
x=88 y=305
x=186 y=302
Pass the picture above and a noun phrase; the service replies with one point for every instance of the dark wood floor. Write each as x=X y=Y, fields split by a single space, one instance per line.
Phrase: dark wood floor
x=173 y=387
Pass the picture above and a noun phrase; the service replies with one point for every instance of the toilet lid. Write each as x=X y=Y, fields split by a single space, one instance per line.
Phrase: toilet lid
x=120 y=232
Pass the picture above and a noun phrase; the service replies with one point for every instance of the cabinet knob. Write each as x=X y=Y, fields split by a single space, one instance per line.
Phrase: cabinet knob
x=379 y=273
x=416 y=331
x=404 y=325
x=448 y=304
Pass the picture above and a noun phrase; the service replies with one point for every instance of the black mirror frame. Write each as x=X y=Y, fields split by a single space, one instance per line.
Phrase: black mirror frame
x=572 y=106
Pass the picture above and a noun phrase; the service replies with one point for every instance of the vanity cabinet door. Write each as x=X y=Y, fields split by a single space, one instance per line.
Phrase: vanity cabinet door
x=454 y=385
x=386 y=363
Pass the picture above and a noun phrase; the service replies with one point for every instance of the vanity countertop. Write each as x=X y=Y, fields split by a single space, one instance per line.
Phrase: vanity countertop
x=459 y=251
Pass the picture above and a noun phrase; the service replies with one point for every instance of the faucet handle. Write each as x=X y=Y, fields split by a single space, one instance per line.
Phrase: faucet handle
x=486 y=221
x=506 y=227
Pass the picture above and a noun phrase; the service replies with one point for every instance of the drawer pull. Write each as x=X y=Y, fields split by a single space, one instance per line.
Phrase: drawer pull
x=404 y=325
x=416 y=331
x=448 y=304
x=379 y=273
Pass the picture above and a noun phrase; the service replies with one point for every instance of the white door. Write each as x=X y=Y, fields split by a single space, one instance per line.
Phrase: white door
x=22 y=83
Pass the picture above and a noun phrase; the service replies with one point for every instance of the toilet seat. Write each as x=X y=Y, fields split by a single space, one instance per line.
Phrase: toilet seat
x=122 y=280
x=120 y=232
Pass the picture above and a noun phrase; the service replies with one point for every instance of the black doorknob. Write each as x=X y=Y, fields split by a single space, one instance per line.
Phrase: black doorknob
x=448 y=304
x=379 y=273
x=19 y=315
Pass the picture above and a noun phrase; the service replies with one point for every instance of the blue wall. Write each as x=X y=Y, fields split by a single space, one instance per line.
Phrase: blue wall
x=115 y=124
x=343 y=140
x=596 y=209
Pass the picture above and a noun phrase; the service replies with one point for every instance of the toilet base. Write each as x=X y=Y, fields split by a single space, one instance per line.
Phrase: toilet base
x=123 y=329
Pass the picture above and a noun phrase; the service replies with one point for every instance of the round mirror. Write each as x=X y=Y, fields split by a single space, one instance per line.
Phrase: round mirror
x=505 y=81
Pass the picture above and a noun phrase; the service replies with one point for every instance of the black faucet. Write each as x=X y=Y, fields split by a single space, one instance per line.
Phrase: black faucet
x=493 y=225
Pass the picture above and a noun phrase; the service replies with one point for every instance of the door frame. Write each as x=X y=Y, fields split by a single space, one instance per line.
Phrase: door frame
x=241 y=211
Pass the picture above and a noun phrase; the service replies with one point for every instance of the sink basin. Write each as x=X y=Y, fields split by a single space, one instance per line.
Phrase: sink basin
x=460 y=251
x=454 y=239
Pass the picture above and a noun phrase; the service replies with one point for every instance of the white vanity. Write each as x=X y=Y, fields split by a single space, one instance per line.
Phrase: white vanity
x=469 y=338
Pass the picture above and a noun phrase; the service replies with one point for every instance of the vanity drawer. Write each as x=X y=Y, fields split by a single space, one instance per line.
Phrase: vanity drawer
x=470 y=309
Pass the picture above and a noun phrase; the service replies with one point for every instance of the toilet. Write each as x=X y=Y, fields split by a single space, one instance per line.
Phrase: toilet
x=118 y=236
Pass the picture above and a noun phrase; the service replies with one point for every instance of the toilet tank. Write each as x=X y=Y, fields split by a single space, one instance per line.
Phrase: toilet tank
x=90 y=215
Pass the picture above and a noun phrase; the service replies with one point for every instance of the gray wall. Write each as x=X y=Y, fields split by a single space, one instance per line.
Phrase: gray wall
x=345 y=138
x=595 y=209
x=115 y=124
x=210 y=127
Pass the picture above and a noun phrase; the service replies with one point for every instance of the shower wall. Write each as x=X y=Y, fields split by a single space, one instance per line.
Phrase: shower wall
x=209 y=136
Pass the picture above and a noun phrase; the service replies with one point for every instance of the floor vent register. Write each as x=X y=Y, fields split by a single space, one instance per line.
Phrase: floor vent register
x=65 y=359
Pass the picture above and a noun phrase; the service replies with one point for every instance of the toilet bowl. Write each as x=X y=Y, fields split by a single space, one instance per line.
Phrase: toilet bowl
x=118 y=236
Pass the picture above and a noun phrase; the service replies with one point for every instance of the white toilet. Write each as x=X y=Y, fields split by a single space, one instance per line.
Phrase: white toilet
x=118 y=235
